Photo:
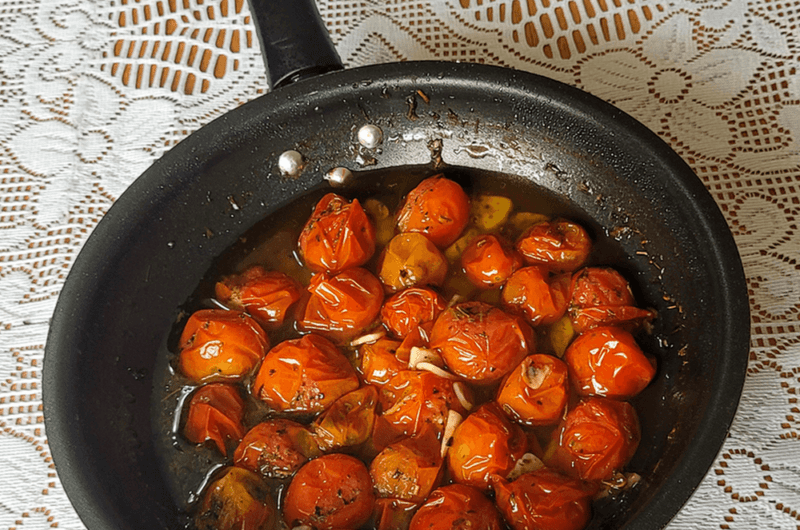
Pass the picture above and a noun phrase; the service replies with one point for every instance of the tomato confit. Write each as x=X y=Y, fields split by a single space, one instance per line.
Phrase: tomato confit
x=451 y=360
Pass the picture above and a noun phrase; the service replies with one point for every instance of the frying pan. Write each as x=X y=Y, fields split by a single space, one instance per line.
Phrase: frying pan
x=145 y=260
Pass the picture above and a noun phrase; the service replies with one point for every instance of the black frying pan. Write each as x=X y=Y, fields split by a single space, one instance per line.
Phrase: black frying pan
x=147 y=256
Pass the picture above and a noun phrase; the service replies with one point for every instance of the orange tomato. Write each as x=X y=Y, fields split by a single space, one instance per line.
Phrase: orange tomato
x=456 y=507
x=411 y=260
x=265 y=295
x=220 y=345
x=304 y=375
x=558 y=245
x=409 y=469
x=602 y=297
x=348 y=421
x=339 y=235
x=533 y=293
x=489 y=260
x=438 y=208
x=238 y=500
x=403 y=312
x=329 y=493
x=536 y=391
x=393 y=514
x=215 y=413
x=419 y=337
x=276 y=448
x=480 y=342
x=379 y=363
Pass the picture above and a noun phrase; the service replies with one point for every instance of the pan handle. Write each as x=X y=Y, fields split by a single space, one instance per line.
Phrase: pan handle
x=294 y=41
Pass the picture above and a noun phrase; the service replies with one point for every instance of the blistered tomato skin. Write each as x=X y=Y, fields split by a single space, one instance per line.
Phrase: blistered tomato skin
x=558 y=245
x=480 y=342
x=219 y=345
x=265 y=295
x=348 y=421
x=276 y=448
x=411 y=260
x=438 y=208
x=536 y=391
x=533 y=293
x=601 y=296
x=304 y=375
x=215 y=414
x=339 y=235
x=408 y=470
x=608 y=362
x=489 y=260
x=238 y=500
x=456 y=507
x=332 y=492
x=404 y=311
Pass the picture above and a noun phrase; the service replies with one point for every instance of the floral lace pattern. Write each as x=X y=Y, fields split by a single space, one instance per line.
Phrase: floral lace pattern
x=92 y=92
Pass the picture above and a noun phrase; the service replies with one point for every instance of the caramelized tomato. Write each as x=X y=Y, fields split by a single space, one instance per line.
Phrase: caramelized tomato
x=215 y=414
x=266 y=295
x=558 y=245
x=411 y=260
x=406 y=310
x=349 y=421
x=438 y=208
x=219 y=345
x=536 y=391
x=533 y=293
x=379 y=362
x=456 y=507
x=276 y=448
x=237 y=500
x=409 y=469
x=602 y=297
x=489 y=260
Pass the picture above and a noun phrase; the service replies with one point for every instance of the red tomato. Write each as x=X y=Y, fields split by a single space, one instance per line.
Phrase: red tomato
x=409 y=469
x=276 y=448
x=406 y=310
x=342 y=306
x=545 y=500
x=339 y=235
x=540 y=298
x=456 y=507
x=411 y=260
x=438 y=208
x=219 y=345
x=265 y=295
x=488 y=261
x=238 y=500
x=602 y=297
x=607 y=362
x=536 y=391
x=558 y=245
x=215 y=413
x=480 y=342
x=349 y=421
x=304 y=375
x=419 y=337
x=329 y=493
x=379 y=363
x=393 y=514
x=485 y=444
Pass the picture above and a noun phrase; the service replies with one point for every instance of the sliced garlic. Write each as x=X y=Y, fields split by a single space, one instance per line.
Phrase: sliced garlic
x=535 y=376
x=432 y=368
x=461 y=393
x=424 y=355
x=453 y=421
x=369 y=338
x=527 y=464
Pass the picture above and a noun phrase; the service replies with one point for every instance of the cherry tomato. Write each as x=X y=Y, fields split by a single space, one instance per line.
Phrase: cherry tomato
x=329 y=493
x=409 y=469
x=485 y=444
x=379 y=363
x=419 y=337
x=558 y=245
x=536 y=391
x=411 y=260
x=488 y=261
x=237 y=500
x=602 y=297
x=480 y=342
x=215 y=413
x=219 y=345
x=342 y=306
x=545 y=500
x=304 y=375
x=456 y=507
x=276 y=448
x=349 y=421
x=339 y=235
x=438 y=208
x=393 y=514
x=265 y=295
x=540 y=298
x=403 y=312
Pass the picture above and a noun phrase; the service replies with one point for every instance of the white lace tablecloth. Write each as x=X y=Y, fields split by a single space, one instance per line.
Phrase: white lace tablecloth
x=93 y=91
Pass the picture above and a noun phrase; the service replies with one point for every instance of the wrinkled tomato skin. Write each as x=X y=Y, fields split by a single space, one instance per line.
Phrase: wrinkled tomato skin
x=237 y=500
x=485 y=444
x=348 y=421
x=411 y=260
x=379 y=362
x=409 y=469
x=332 y=492
x=480 y=342
x=304 y=375
x=456 y=507
x=489 y=260
x=215 y=413
x=338 y=235
x=220 y=345
x=265 y=295
x=601 y=296
x=545 y=500
x=608 y=362
x=536 y=392
x=437 y=208
x=404 y=311
x=342 y=306
x=540 y=298
x=276 y=448
x=558 y=245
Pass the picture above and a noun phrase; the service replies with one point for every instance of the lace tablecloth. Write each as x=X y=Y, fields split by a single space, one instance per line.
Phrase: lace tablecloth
x=92 y=92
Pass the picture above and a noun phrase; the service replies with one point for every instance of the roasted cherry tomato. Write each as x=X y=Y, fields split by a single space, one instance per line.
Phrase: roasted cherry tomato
x=456 y=507
x=276 y=448
x=304 y=375
x=339 y=235
x=540 y=298
x=342 y=306
x=489 y=260
x=411 y=260
x=379 y=363
x=485 y=444
x=536 y=391
x=419 y=337
x=393 y=514
x=545 y=500
x=237 y=500
x=348 y=421
x=219 y=345
x=558 y=245
x=602 y=297
x=265 y=295
x=438 y=208
x=607 y=362
x=215 y=413
x=332 y=492
x=597 y=437
x=406 y=310
x=409 y=469
x=480 y=342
